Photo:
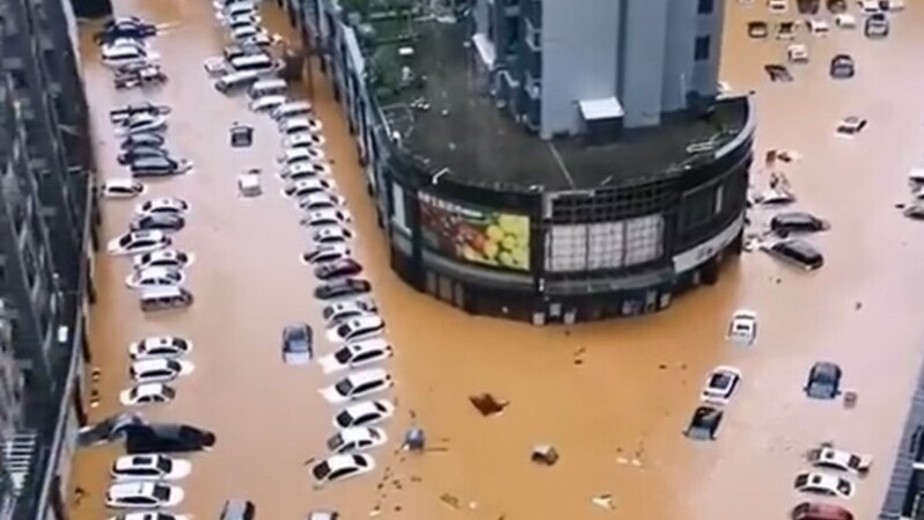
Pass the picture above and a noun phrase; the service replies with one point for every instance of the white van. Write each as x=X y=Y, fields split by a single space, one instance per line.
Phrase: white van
x=268 y=87
x=164 y=298
x=248 y=185
x=293 y=109
x=253 y=62
x=235 y=81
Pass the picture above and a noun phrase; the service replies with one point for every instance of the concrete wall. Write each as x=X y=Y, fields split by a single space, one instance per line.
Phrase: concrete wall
x=579 y=58
x=643 y=56
x=706 y=72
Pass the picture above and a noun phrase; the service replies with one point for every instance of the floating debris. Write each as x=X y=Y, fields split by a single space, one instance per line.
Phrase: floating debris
x=487 y=404
x=450 y=500
x=544 y=454
x=605 y=501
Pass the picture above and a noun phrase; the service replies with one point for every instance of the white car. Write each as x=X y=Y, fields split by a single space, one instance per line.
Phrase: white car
x=301 y=154
x=321 y=201
x=303 y=140
x=299 y=125
x=332 y=235
x=327 y=217
x=366 y=413
x=137 y=242
x=122 y=188
x=357 y=438
x=155 y=277
x=818 y=27
x=823 y=484
x=267 y=103
x=341 y=467
x=143 y=123
x=743 y=327
x=340 y=311
x=845 y=21
x=869 y=6
x=169 y=258
x=720 y=385
x=305 y=187
x=322 y=253
x=171 y=205
x=355 y=355
x=797 y=53
x=159 y=370
x=357 y=385
x=357 y=327
x=143 y=495
x=148 y=393
x=830 y=458
x=241 y=21
x=305 y=170
x=151 y=515
x=892 y=6
x=150 y=467
x=292 y=109
x=155 y=347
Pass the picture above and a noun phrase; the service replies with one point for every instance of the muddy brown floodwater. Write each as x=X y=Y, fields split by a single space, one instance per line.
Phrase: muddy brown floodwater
x=639 y=380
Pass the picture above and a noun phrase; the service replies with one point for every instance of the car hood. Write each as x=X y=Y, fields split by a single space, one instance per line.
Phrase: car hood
x=331 y=395
x=329 y=365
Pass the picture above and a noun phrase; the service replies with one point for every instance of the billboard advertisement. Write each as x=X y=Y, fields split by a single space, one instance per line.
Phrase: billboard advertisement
x=474 y=233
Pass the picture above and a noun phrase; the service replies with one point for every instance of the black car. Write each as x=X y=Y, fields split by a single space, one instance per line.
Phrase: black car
x=122 y=113
x=143 y=139
x=297 y=348
x=157 y=167
x=797 y=252
x=158 y=221
x=341 y=288
x=140 y=152
x=808 y=6
x=824 y=381
x=704 y=424
x=842 y=67
x=166 y=438
x=758 y=29
x=132 y=28
x=338 y=268
x=797 y=222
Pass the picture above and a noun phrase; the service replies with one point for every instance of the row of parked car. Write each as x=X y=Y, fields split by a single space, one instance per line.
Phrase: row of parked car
x=124 y=47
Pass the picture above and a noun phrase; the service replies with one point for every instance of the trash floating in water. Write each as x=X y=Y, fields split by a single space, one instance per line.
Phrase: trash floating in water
x=605 y=501
x=487 y=404
x=450 y=500
x=414 y=439
x=544 y=454
x=850 y=399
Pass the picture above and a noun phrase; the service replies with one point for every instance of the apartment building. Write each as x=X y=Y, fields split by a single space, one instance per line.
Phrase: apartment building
x=46 y=241
x=557 y=65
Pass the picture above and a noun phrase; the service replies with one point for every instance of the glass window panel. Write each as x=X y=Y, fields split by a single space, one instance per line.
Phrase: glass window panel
x=567 y=248
x=606 y=245
x=644 y=239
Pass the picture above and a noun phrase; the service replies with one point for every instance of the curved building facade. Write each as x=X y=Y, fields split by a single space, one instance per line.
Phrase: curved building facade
x=613 y=237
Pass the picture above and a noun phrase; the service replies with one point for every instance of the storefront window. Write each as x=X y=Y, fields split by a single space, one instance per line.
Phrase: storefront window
x=644 y=237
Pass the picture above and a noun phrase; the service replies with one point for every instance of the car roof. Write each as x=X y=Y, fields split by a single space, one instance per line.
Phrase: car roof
x=363 y=376
x=357 y=432
x=121 y=182
x=368 y=344
x=131 y=488
x=343 y=461
x=152 y=363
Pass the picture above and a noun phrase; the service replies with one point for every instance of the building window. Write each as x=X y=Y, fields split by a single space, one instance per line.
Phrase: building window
x=567 y=249
x=701 y=52
x=605 y=245
x=706 y=6
x=644 y=237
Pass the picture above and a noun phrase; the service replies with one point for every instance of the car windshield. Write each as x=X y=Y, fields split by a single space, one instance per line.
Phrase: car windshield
x=153 y=162
x=162 y=493
x=321 y=471
x=125 y=240
x=360 y=461
x=344 y=387
x=854 y=461
x=343 y=355
x=343 y=418
x=719 y=381
x=164 y=464
x=168 y=392
x=345 y=329
x=173 y=365
x=843 y=486
x=801 y=480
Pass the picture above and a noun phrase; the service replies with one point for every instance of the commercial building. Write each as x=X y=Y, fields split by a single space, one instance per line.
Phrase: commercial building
x=543 y=161
x=45 y=214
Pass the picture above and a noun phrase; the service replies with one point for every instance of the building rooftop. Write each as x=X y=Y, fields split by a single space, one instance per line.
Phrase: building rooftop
x=480 y=143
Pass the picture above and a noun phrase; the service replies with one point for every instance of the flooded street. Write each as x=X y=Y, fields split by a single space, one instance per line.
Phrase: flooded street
x=611 y=397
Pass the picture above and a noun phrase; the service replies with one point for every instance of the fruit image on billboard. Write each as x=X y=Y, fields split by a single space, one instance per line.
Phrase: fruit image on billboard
x=475 y=234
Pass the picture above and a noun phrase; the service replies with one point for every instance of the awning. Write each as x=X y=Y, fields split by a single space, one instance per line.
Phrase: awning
x=601 y=109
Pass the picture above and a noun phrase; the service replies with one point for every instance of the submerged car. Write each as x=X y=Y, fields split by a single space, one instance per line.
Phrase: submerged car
x=158 y=370
x=842 y=67
x=743 y=327
x=159 y=167
x=820 y=511
x=796 y=252
x=337 y=312
x=166 y=438
x=355 y=355
x=327 y=217
x=155 y=277
x=159 y=347
x=169 y=258
x=172 y=205
x=720 y=385
x=158 y=221
x=828 y=457
x=337 y=268
x=342 y=288
x=297 y=344
x=797 y=222
x=876 y=26
x=758 y=29
x=143 y=495
x=122 y=188
x=341 y=467
x=151 y=515
x=150 y=467
x=137 y=242
x=704 y=424
x=141 y=152
x=823 y=484
x=356 y=438
x=357 y=385
x=365 y=413
x=143 y=140
x=322 y=253
x=149 y=393
x=824 y=381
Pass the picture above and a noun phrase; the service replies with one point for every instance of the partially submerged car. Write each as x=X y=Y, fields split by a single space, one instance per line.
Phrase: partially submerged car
x=824 y=381
x=155 y=277
x=356 y=438
x=166 y=438
x=850 y=126
x=141 y=152
x=358 y=384
x=830 y=458
x=823 y=484
x=704 y=424
x=845 y=21
x=808 y=6
x=796 y=252
x=337 y=312
x=337 y=269
x=341 y=467
x=166 y=222
x=342 y=288
x=778 y=72
x=143 y=495
x=297 y=344
x=758 y=29
x=159 y=347
x=842 y=67
x=137 y=242
x=173 y=205
x=322 y=253
x=876 y=26
x=159 y=370
x=720 y=385
x=119 y=114
x=786 y=30
x=124 y=188
x=169 y=258
x=150 y=467
x=159 y=167
x=327 y=217
x=149 y=393
x=142 y=140
x=836 y=6
x=365 y=413
x=797 y=53
x=797 y=222
x=355 y=355
x=742 y=328
x=820 y=511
